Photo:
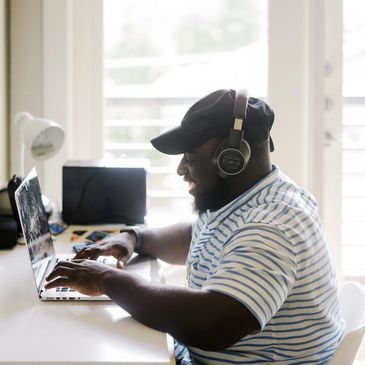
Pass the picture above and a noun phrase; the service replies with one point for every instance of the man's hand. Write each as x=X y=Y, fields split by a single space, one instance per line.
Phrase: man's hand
x=85 y=276
x=120 y=246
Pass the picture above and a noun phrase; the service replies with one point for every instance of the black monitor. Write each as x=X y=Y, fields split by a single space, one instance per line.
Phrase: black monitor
x=96 y=192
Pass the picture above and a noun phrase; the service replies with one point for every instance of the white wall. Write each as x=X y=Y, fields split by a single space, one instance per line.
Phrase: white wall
x=287 y=86
x=26 y=83
x=297 y=87
x=3 y=96
x=41 y=78
x=52 y=84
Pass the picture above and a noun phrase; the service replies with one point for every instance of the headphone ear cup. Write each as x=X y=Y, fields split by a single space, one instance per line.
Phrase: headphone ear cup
x=221 y=147
x=246 y=152
x=231 y=161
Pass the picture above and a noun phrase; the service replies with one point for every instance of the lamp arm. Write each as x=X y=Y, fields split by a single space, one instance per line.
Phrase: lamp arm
x=21 y=159
x=20 y=119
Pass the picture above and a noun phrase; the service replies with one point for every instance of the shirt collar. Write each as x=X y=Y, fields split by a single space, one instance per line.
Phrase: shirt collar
x=214 y=218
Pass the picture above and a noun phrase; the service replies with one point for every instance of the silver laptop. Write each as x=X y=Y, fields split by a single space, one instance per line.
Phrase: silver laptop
x=39 y=242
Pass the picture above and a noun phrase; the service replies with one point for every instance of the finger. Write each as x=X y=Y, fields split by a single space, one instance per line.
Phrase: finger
x=56 y=283
x=79 y=254
x=94 y=255
x=87 y=252
x=65 y=264
x=78 y=261
x=120 y=264
x=60 y=271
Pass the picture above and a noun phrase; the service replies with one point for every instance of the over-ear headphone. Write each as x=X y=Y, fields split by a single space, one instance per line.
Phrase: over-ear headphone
x=233 y=153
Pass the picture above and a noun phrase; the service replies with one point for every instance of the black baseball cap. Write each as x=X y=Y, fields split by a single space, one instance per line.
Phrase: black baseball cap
x=212 y=116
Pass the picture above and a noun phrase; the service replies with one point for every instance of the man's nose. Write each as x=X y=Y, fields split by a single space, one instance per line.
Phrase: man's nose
x=181 y=168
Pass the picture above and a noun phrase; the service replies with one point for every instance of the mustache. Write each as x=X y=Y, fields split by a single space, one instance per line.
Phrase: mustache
x=187 y=178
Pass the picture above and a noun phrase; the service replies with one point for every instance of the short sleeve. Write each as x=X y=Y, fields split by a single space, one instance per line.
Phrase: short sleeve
x=258 y=268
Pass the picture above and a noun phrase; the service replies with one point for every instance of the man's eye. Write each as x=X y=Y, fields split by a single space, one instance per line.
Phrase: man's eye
x=189 y=160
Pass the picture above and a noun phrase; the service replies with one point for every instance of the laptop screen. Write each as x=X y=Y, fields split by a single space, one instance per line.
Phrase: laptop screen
x=34 y=220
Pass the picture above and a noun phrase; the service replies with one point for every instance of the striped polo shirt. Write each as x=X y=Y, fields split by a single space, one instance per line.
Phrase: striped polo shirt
x=267 y=250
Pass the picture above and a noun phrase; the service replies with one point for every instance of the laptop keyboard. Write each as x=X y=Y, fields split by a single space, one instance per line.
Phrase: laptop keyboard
x=64 y=290
x=61 y=289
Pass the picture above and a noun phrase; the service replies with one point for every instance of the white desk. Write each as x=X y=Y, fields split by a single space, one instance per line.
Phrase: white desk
x=32 y=331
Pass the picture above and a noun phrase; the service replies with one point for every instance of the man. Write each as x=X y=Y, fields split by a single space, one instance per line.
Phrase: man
x=260 y=282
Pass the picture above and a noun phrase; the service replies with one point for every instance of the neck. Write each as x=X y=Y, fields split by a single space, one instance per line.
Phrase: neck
x=254 y=173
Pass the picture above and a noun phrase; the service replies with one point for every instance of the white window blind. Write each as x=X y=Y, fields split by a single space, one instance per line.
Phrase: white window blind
x=159 y=58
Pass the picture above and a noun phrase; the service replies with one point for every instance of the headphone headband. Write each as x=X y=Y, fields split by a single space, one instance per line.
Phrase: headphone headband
x=240 y=105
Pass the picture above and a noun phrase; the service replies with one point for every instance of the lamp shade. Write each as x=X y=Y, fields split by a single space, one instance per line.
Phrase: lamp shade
x=42 y=137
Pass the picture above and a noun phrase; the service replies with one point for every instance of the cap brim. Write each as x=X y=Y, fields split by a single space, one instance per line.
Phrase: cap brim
x=177 y=141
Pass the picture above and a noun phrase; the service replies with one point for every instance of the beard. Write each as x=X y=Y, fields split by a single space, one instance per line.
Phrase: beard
x=213 y=199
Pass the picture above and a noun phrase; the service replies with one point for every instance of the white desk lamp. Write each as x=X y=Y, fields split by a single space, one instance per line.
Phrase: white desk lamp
x=42 y=137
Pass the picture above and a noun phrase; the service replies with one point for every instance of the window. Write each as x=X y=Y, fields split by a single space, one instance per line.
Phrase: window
x=159 y=58
x=353 y=169
x=157 y=63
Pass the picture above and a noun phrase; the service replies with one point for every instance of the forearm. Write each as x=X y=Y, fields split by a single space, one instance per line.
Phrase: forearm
x=200 y=318
x=197 y=318
x=170 y=244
